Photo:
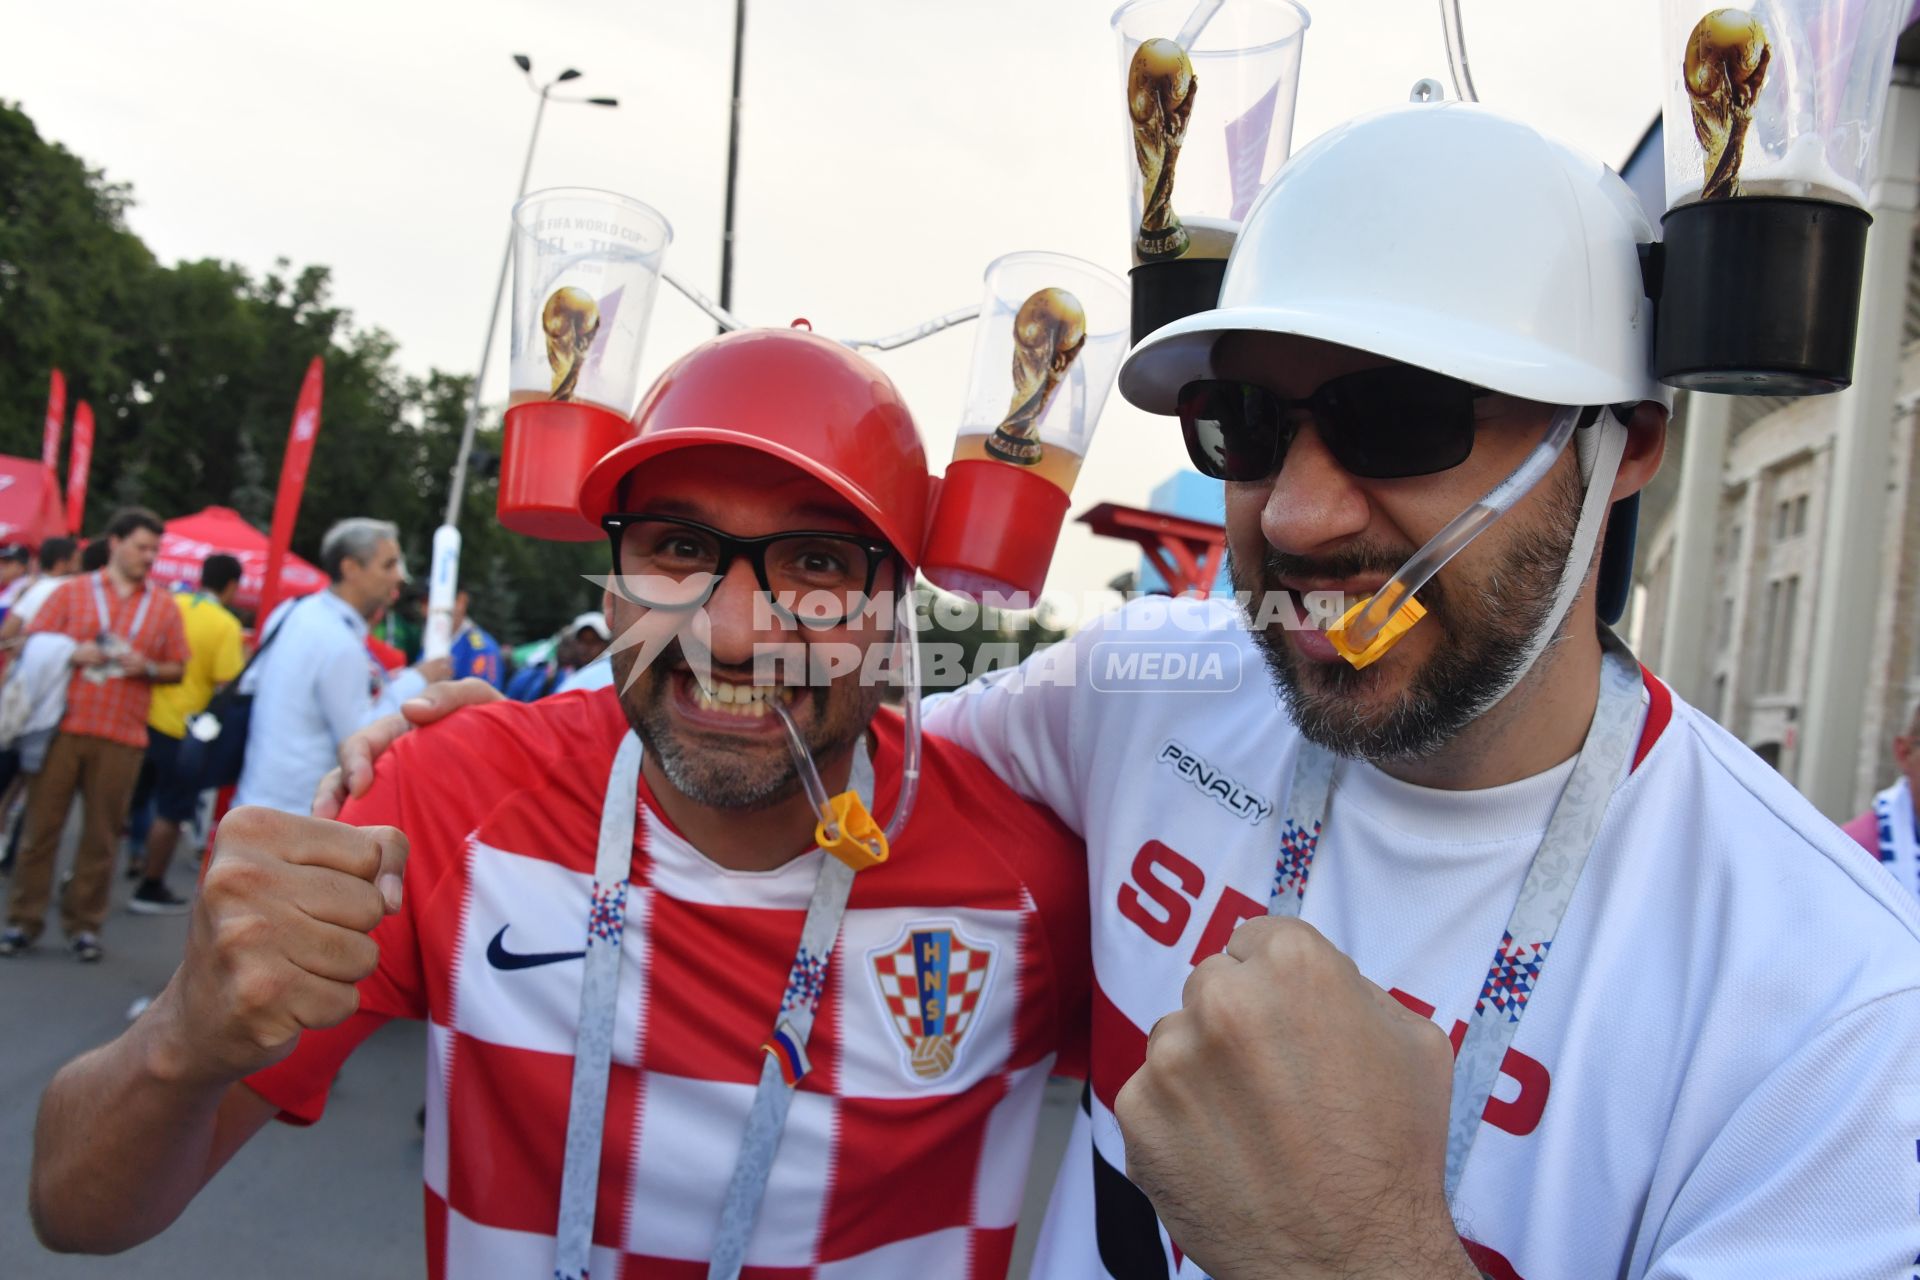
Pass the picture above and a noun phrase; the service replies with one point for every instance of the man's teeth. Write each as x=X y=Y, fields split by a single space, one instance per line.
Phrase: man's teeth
x=738 y=699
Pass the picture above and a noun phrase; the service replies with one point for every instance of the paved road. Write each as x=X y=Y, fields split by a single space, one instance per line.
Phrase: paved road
x=340 y=1199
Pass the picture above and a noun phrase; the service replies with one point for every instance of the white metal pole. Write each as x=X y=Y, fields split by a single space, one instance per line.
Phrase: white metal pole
x=493 y=321
x=444 y=576
x=1685 y=641
x=1852 y=566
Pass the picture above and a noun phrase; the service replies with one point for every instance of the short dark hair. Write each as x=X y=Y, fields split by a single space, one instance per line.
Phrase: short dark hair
x=128 y=519
x=16 y=552
x=219 y=572
x=94 y=558
x=54 y=550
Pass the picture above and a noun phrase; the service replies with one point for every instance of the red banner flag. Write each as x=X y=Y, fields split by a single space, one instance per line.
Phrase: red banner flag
x=56 y=422
x=77 y=463
x=293 y=483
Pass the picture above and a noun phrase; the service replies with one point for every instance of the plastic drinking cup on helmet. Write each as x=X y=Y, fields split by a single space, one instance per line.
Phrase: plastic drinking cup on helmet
x=1051 y=335
x=1208 y=93
x=586 y=265
x=1769 y=123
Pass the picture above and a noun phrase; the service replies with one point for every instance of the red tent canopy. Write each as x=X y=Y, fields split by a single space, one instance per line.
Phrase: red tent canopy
x=191 y=539
x=31 y=509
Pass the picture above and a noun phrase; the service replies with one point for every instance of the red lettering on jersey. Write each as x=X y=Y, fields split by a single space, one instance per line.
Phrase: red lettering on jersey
x=1175 y=903
x=1519 y=1117
x=1414 y=1003
x=1233 y=907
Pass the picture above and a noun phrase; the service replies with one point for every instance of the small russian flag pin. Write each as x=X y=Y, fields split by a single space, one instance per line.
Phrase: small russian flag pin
x=786 y=1049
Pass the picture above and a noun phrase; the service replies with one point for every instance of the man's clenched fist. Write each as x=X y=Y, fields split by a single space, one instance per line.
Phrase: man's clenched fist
x=277 y=941
x=1291 y=1118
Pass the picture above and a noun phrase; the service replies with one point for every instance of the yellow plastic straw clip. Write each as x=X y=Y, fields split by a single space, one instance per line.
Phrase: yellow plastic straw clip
x=1389 y=635
x=861 y=842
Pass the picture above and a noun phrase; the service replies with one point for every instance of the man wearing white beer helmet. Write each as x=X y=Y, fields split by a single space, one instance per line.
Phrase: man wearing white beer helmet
x=681 y=1020
x=1476 y=951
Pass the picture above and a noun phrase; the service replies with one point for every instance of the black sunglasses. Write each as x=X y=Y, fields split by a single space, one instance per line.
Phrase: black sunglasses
x=1379 y=424
x=669 y=562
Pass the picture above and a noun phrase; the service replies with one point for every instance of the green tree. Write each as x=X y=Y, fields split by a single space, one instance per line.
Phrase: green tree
x=73 y=281
x=192 y=371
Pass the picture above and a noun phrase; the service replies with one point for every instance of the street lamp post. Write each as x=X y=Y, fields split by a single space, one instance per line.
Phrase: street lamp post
x=446 y=539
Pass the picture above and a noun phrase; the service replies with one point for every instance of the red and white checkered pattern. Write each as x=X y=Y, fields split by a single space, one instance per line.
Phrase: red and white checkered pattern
x=880 y=1173
x=900 y=983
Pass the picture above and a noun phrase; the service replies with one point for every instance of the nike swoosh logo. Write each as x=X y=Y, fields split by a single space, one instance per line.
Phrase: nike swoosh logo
x=500 y=958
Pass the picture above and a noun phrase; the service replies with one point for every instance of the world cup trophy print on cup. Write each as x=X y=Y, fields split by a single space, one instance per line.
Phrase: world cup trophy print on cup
x=1726 y=64
x=1048 y=333
x=1160 y=94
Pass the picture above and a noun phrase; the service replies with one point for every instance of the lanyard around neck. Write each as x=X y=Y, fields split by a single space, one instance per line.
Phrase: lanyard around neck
x=106 y=620
x=1544 y=893
x=785 y=1058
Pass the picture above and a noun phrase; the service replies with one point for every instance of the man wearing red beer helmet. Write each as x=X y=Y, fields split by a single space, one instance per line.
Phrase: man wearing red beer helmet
x=607 y=1050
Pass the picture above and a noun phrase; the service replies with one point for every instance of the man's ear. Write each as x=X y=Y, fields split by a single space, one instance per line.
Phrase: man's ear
x=1646 y=446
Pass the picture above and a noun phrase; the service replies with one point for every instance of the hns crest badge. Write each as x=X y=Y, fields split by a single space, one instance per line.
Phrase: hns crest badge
x=933 y=983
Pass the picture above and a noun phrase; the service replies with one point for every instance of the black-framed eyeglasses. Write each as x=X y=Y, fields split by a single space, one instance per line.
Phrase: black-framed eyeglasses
x=1379 y=424
x=818 y=577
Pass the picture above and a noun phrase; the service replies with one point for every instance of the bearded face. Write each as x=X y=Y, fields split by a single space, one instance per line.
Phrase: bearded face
x=1485 y=625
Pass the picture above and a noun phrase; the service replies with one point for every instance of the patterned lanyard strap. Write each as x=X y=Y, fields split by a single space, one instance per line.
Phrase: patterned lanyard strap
x=106 y=620
x=786 y=1052
x=1544 y=893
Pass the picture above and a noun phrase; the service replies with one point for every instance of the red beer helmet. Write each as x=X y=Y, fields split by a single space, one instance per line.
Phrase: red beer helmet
x=795 y=396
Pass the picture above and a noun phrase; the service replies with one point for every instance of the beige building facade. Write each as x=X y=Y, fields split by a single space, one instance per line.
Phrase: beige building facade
x=1773 y=515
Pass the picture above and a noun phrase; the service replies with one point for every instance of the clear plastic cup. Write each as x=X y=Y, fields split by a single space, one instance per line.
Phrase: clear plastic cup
x=1780 y=99
x=1051 y=335
x=1208 y=122
x=586 y=265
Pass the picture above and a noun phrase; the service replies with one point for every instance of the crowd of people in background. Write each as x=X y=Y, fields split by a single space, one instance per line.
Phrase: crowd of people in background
x=107 y=678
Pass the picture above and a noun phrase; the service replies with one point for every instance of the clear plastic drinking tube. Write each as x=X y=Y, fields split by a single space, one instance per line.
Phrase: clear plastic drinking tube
x=1364 y=623
x=803 y=764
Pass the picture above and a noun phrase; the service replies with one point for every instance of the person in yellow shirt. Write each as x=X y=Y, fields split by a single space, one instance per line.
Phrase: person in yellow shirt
x=214 y=657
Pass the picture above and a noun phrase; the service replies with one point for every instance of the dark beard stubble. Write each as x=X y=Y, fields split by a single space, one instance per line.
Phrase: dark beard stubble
x=719 y=778
x=1486 y=628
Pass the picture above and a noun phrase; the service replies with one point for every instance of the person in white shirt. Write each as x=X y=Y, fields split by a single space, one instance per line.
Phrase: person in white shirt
x=596 y=673
x=1713 y=1076
x=314 y=681
x=16 y=573
x=58 y=559
x=1490 y=957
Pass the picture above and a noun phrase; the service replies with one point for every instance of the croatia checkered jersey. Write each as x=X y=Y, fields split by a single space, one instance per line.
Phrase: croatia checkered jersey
x=906 y=1149
x=1715 y=1073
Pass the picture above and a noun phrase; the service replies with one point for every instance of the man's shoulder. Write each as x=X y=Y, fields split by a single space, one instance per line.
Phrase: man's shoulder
x=552 y=733
x=71 y=588
x=510 y=767
x=979 y=826
x=956 y=782
x=208 y=612
x=1744 y=827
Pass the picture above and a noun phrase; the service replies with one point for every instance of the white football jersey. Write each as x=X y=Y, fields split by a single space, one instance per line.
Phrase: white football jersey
x=1716 y=1075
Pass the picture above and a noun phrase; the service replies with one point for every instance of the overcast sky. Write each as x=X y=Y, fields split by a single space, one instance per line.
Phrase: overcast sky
x=890 y=149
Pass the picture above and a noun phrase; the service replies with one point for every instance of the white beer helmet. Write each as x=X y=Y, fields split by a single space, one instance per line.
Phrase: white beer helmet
x=1449 y=237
